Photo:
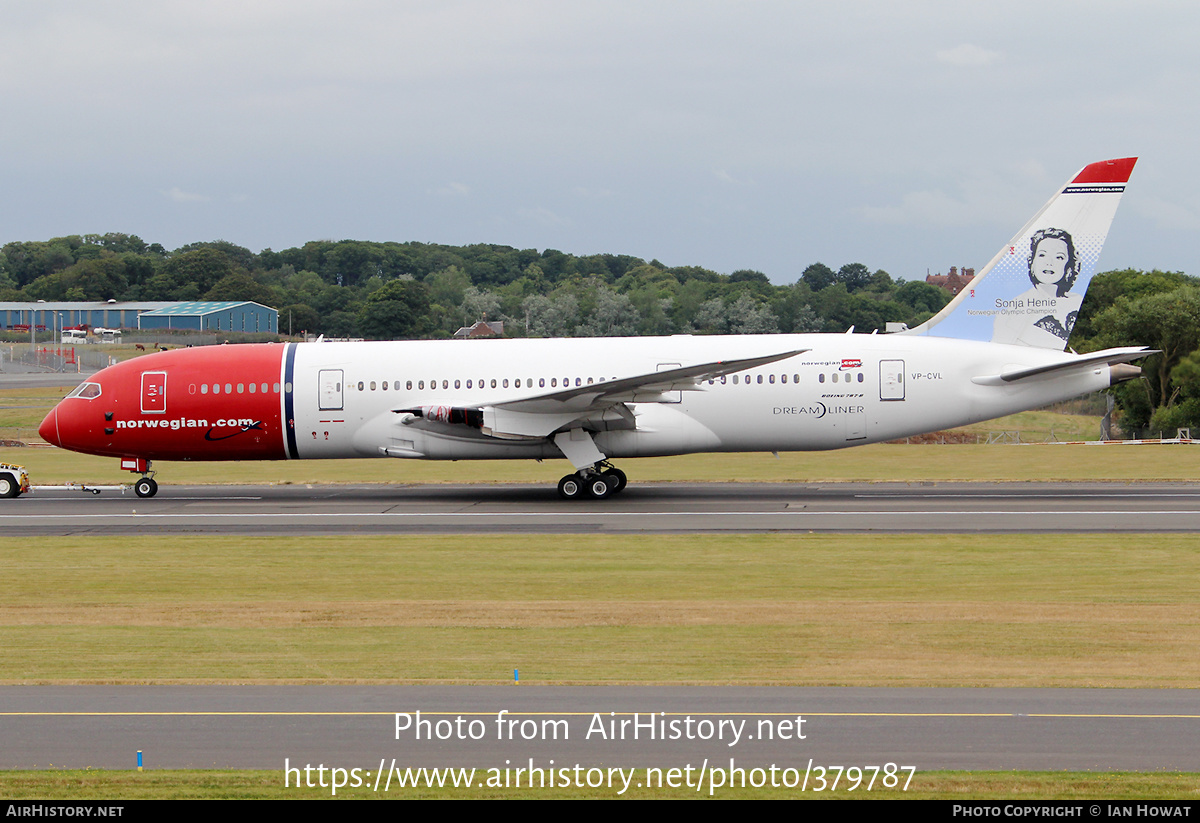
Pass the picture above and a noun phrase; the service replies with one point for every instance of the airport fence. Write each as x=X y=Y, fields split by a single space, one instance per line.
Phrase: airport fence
x=19 y=358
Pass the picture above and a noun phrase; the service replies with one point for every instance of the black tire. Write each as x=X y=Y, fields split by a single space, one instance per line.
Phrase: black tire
x=146 y=487
x=571 y=487
x=8 y=486
x=598 y=487
x=616 y=478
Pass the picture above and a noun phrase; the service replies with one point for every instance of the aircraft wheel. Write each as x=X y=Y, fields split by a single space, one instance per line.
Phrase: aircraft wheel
x=598 y=487
x=570 y=487
x=8 y=486
x=146 y=487
x=616 y=478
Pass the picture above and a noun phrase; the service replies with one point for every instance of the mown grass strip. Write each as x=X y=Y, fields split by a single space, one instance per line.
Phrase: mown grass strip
x=913 y=610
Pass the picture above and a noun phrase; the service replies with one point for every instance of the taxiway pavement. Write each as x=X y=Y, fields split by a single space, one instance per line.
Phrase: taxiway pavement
x=999 y=508
x=356 y=727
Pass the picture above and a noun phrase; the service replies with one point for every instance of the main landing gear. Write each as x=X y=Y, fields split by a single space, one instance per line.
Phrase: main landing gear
x=594 y=476
x=596 y=482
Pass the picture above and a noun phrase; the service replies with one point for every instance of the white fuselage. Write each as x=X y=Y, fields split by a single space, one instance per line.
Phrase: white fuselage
x=845 y=390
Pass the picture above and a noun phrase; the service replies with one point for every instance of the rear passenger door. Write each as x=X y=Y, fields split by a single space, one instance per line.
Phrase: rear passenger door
x=891 y=379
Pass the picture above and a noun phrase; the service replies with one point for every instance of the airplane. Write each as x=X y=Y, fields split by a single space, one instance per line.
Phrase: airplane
x=995 y=349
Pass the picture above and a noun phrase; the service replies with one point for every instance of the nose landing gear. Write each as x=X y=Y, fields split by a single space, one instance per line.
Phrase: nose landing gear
x=145 y=487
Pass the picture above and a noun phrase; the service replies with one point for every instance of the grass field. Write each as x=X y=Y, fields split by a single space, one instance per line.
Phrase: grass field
x=1042 y=610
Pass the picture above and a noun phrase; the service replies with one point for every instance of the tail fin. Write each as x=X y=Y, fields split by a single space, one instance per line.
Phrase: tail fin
x=1030 y=293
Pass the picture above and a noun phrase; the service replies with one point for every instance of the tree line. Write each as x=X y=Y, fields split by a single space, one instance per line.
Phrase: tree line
x=403 y=290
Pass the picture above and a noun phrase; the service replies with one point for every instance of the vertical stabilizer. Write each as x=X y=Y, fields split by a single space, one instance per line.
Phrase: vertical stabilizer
x=1031 y=291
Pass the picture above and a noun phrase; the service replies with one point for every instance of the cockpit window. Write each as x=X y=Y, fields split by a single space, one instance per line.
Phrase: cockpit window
x=86 y=390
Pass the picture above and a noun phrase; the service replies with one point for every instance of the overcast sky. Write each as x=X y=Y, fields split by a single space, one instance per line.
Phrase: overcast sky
x=765 y=135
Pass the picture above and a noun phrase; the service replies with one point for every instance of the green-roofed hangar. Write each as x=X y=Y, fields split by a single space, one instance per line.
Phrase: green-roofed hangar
x=242 y=316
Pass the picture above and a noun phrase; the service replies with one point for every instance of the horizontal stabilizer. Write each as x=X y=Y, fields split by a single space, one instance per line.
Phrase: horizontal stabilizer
x=1108 y=357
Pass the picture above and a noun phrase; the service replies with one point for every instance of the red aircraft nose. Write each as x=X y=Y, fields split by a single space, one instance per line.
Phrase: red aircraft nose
x=49 y=428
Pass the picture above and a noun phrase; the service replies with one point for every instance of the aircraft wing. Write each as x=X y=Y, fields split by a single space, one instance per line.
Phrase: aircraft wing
x=638 y=388
x=541 y=415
